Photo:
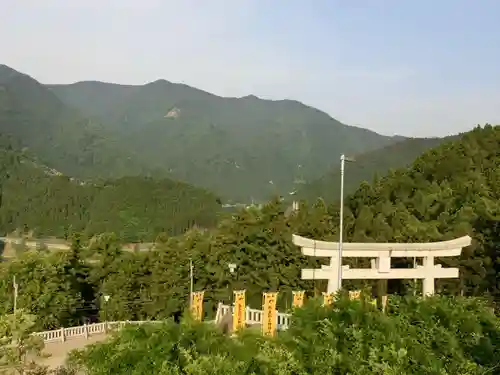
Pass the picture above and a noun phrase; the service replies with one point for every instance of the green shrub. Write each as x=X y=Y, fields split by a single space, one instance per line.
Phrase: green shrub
x=432 y=336
x=438 y=335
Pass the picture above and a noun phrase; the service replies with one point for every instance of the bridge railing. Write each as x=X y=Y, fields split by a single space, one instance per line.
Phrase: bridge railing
x=86 y=330
x=254 y=316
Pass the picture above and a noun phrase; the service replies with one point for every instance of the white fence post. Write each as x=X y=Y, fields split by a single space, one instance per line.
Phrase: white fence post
x=255 y=317
x=428 y=284
x=218 y=314
x=87 y=330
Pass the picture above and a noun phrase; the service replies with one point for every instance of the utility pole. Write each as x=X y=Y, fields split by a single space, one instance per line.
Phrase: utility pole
x=191 y=286
x=343 y=159
x=14 y=283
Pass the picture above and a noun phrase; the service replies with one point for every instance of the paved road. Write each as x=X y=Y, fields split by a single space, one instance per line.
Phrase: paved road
x=59 y=350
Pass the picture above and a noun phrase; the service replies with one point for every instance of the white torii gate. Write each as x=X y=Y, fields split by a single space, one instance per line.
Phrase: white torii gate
x=381 y=268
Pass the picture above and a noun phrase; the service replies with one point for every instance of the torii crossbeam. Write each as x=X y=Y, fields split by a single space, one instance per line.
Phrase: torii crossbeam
x=382 y=253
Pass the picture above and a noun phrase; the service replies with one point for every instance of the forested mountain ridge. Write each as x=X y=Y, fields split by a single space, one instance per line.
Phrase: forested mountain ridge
x=33 y=117
x=241 y=148
x=449 y=191
x=367 y=166
x=39 y=199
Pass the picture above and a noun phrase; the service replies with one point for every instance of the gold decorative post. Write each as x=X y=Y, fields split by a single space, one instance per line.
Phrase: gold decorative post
x=239 y=319
x=269 y=319
x=328 y=298
x=197 y=305
x=354 y=294
x=298 y=298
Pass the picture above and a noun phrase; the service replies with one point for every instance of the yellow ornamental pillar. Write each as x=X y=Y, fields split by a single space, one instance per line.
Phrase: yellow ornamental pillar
x=197 y=305
x=269 y=320
x=328 y=298
x=354 y=294
x=239 y=318
x=298 y=298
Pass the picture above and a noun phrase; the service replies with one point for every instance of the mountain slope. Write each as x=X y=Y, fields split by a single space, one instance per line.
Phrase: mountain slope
x=239 y=147
x=59 y=135
x=449 y=191
x=92 y=98
x=368 y=165
x=34 y=197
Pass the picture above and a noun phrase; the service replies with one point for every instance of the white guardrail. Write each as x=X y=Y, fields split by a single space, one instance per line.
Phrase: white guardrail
x=253 y=316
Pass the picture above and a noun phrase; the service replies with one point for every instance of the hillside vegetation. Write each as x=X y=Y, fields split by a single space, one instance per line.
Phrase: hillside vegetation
x=352 y=338
x=35 y=198
x=368 y=166
x=240 y=148
x=33 y=117
x=448 y=192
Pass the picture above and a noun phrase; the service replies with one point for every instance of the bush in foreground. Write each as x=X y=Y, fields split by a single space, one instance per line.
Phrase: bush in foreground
x=437 y=335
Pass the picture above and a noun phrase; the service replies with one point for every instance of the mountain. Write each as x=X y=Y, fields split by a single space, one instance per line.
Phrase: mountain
x=367 y=166
x=36 y=118
x=449 y=191
x=241 y=148
x=37 y=198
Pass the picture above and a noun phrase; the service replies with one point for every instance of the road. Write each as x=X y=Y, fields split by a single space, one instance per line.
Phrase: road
x=58 y=351
x=63 y=245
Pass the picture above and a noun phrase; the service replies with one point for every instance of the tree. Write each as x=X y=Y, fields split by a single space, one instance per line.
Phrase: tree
x=432 y=336
x=46 y=289
x=18 y=347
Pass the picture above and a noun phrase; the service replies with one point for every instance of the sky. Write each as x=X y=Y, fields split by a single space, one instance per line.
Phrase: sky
x=415 y=68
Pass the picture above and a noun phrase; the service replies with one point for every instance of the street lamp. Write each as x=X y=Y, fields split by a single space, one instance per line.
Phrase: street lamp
x=232 y=268
x=106 y=299
x=343 y=159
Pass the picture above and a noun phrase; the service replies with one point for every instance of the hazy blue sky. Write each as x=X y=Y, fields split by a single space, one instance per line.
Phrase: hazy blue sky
x=413 y=67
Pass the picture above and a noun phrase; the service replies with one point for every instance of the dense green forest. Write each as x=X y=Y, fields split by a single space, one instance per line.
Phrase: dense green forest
x=240 y=148
x=60 y=136
x=233 y=146
x=35 y=198
x=86 y=177
x=449 y=191
x=367 y=166
x=353 y=338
